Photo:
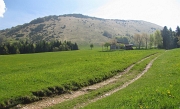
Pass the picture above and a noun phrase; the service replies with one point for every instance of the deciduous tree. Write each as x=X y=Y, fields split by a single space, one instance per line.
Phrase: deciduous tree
x=107 y=44
x=91 y=46
x=146 y=39
x=1 y=40
x=151 y=40
x=138 y=40
x=158 y=39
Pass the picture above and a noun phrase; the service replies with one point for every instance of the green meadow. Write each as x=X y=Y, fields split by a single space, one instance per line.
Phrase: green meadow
x=29 y=77
x=75 y=103
x=159 y=88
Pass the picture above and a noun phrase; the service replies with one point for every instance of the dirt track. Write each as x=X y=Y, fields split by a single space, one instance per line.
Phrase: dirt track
x=118 y=88
x=47 y=102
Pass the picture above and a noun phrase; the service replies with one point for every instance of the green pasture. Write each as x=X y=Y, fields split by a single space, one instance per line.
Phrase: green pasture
x=27 y=76
x=79 y=101
x=159 y=88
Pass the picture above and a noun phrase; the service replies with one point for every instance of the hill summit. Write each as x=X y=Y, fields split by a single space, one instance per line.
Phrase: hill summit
x=77 y=28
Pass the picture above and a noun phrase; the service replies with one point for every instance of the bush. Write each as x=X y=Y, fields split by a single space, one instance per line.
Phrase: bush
x=36 y=21
x=106 y=34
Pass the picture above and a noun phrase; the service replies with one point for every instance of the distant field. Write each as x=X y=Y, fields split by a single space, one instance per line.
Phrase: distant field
x=159 y=88
x=32 y=76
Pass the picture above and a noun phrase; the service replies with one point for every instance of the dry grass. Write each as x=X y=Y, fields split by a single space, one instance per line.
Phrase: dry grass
x=85 y=30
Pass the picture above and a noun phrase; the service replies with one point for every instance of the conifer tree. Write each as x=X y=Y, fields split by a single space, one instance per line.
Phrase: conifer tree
x=166 y=38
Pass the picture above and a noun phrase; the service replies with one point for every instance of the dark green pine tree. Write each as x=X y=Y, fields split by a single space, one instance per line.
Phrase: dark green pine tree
x=75 y=47
x=178 y=31
x=177 y=41
x=166 y=38
x=171 y=40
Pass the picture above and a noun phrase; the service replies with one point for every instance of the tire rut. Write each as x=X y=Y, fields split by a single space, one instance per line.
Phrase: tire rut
x=118 y=88
x=50 y=101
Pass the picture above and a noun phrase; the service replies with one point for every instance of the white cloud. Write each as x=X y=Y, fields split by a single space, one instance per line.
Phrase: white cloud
x=2 y=8
x=161 y=12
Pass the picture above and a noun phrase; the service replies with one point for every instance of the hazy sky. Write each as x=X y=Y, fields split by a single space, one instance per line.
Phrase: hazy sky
x=161 y=12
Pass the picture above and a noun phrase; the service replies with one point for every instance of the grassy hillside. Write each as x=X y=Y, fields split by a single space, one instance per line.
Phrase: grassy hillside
x=77 y=28
x=157 y=89
x=25 y=78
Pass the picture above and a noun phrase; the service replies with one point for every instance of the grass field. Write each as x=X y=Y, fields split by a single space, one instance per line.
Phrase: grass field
x=159 y=88
x=98 y=93
x=26 y=78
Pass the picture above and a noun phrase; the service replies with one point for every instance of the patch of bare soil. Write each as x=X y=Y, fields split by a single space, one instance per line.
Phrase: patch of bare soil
x=50 y=101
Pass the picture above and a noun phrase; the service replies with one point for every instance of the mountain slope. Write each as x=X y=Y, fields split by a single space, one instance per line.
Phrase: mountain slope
x=78 y=28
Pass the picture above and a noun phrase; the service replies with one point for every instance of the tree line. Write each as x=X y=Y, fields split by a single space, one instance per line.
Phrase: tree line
x=164 y=39
x=23 y=47
x=170 y=38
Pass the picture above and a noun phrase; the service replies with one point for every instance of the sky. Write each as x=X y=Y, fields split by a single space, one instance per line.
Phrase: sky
x=160 y=12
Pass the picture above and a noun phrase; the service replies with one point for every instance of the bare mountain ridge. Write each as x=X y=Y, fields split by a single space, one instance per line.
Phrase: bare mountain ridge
x=78 y=28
